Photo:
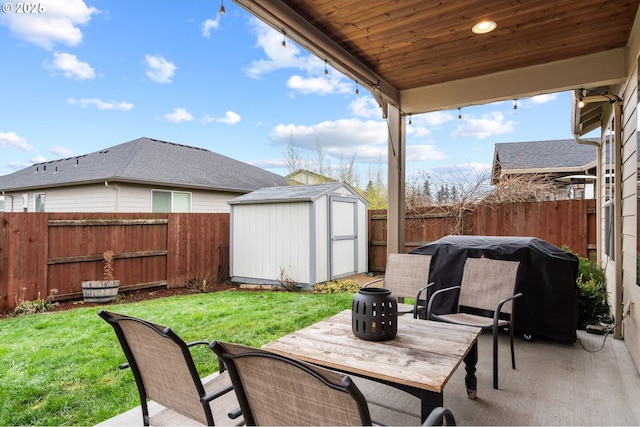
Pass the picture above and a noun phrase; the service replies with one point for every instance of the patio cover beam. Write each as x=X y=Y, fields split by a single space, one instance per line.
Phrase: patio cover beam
x=283 y=19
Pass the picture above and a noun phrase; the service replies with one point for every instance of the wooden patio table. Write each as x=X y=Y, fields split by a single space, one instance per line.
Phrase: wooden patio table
x=419 y=360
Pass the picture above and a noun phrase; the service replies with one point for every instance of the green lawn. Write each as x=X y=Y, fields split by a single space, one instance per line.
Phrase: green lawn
x=61 y=368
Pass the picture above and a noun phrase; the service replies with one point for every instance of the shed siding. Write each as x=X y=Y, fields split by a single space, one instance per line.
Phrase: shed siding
x=271 y=241
x=322 y=240
x=363 y=238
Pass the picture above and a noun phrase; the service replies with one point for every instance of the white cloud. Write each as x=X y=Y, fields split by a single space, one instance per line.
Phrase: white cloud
x=278 y=57
x=230 y=118
x=488 y=125
x=38 y=159
x=13 y=140
x=542 y=99
x=424 y=152
x=433 y=119
x=160 y=70
x=365 y=107
x=179 y=115
x=210 y=24
x=321 y=85
x=417 y=131
x=62 y=151
x=100 y=104
x=71 y=67
x=339 y=139
x=59 y=23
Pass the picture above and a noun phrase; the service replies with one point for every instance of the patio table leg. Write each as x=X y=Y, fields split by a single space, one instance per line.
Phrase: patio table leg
x=429 y=400
x=470 y=380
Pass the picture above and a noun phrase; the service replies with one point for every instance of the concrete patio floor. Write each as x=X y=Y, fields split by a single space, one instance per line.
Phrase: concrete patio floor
x=553 y=384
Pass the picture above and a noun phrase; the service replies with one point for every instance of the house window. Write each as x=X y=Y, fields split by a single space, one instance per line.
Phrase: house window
x=39 y=201
x=170 y=201
x=1 y=203
x=25 y=202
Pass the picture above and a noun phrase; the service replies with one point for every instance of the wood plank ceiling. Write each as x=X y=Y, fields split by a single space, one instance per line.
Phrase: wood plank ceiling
x=416 y=43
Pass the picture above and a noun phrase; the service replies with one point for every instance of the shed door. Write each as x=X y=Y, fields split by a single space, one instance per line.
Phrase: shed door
x=343 y=227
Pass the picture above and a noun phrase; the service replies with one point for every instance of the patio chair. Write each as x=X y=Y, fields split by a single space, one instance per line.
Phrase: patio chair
x=277 y=390
x=165 y=373
x=406 y=276
x=485 y=300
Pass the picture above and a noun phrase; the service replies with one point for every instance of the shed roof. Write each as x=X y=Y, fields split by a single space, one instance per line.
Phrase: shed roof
x=146 y=161
x=290 y=194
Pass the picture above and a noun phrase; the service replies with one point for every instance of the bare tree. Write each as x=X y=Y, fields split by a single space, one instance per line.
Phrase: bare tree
x=376 y=190
x=292 y=160
x=522 y=188
x=348 y=174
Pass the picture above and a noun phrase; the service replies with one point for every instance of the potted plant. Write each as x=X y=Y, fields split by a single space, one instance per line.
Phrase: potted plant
x=102 y=291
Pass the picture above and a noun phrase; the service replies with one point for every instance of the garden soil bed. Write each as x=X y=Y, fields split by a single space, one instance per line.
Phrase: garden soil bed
x=135 y=296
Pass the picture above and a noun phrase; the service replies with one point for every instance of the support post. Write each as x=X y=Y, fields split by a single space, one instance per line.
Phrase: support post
x=396 y=180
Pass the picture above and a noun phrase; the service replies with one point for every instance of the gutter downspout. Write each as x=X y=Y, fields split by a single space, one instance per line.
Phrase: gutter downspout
x=617 y=124
x=106 y=184
x=598 y=192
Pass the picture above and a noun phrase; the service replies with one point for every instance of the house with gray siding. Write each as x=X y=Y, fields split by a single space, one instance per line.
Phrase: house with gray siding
x=142 y=175
x=571 y=165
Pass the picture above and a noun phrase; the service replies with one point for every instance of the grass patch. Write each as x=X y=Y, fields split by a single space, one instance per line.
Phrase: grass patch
x=61 y=368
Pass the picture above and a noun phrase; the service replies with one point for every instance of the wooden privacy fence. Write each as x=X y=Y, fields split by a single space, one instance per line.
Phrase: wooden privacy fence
x=40 y=252
x=567 y=222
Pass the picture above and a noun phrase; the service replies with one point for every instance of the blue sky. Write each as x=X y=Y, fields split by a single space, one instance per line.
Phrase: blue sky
x=85 y=75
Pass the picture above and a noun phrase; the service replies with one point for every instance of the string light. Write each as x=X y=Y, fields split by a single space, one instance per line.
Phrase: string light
x=357 y=90
x=459 y=114
x=222 y=9
x=284 y=39
x=515 y=104
x=326 y=72
x=409 y=118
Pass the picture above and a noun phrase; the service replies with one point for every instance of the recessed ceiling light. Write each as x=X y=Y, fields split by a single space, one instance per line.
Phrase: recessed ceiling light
x=484 y=27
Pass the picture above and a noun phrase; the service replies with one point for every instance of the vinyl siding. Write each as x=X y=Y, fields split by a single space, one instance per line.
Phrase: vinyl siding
x=117 y=197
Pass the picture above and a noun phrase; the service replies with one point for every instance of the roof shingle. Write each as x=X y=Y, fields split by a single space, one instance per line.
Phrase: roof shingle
x=150 y=161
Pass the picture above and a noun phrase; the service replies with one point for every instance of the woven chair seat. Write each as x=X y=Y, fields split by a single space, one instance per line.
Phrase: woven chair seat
x=470 y=320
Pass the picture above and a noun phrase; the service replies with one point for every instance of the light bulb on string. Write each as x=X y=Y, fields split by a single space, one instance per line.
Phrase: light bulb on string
x=326 y=72
x=222 y=9
x=409 y=118
x=357 y=90
x=459 y=114
x=515 y=104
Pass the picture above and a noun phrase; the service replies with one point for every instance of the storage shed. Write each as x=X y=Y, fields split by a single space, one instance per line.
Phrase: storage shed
x=303 y=234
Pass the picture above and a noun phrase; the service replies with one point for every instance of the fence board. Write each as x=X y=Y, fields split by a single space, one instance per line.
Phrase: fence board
x=566 y=222
x=44 y=251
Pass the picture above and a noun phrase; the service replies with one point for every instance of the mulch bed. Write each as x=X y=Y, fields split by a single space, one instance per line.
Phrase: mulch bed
x=136 y=296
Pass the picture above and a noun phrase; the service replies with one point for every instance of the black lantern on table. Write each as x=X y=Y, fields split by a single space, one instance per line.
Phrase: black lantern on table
x=374 y=314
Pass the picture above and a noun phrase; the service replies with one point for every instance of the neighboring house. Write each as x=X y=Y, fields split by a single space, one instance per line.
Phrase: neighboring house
x=569 y=164
x=305 y=177
x=143 y=175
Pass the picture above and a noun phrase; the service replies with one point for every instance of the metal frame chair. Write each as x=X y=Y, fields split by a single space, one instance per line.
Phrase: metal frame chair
x=406 y=276
x=277 y=390
x=165 y=372
x=485 y=298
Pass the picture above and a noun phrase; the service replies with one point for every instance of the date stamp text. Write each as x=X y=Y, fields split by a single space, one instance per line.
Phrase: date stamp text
x=23 y=8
